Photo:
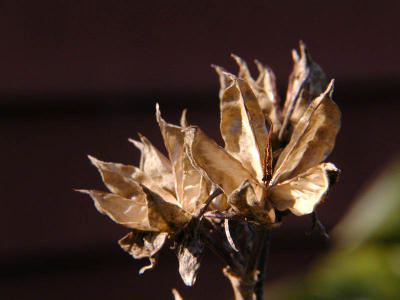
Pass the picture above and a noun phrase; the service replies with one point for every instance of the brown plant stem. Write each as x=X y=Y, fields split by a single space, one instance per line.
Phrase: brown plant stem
x=248 y=284
x=262 y=264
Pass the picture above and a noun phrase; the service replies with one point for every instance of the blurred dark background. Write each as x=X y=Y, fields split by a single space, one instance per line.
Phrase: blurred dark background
x=80 y=77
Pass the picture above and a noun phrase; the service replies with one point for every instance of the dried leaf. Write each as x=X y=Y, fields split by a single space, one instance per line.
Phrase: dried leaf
x=163 y=215
x=189 y=254
x=191 y=189
x=213 y=161
x=307 y=76
x=142 y=244
x=302 y=193
x=155 y=165
x=312 y=139
x=131 y=213
x=119 y=177
x=243 y=126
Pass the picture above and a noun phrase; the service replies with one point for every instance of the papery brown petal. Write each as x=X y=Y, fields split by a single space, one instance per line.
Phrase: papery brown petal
x=245 y=202
x=301 y=194
x=244 y=72
x=191 y=189
x=131 y=213
x=267 y=94
x=155 y=165
x=118 y=179
x=163 y=215
x=243 y=126
x=224 y=80
x=189 y=254
x=299 y=107
x=114 y=180
x=307 y=76
x=142 y=244
x=312 y=140
x=213 y=161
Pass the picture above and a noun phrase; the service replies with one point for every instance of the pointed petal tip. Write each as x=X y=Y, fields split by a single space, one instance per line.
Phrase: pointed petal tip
x=83 y=191
x=329 y=89
x=137 y=144
x=259 y=64
x=183 y=120
x=93 y=160
x=158 y=114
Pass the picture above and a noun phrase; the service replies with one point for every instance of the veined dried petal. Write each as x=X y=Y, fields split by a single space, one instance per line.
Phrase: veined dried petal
x=312 y=139
x=154 y=164
x=118 y=178
x=163 y=215
x=114 y=180
x=267 y=94
x=191 y=189
x=131 y=213
x=213 y=161
x=243 y=126
x=307 y=76
x=301 y=194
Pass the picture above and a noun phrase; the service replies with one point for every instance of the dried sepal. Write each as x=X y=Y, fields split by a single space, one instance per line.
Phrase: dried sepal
x=247 y=203
x=213 y=161
x=243 y=126
x=189 y=253
x=307 y=77
x=312 y=140
x=122 y=179
x=132 y=213
x=304 y=192
x=155 y=165
x=141 y=244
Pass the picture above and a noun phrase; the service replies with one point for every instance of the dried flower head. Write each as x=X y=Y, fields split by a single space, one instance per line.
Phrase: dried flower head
x=271 y=164
x=157 y=199
x=272 y=159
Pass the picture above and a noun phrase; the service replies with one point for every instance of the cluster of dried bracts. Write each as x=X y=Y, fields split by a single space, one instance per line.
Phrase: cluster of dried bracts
x=204 y=195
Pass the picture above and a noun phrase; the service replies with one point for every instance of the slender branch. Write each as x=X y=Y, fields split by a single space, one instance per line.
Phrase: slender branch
x=262 y=262
x=220 y=251
x=248 y=284
x=204 y=206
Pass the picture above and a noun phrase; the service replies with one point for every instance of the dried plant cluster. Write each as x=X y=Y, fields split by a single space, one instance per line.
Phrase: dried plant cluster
x=228 y=198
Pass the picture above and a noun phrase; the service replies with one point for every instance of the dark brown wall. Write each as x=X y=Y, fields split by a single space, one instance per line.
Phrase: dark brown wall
x=80 y=77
